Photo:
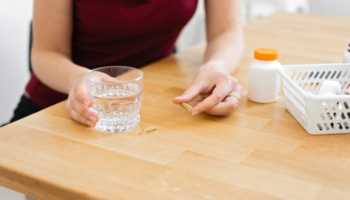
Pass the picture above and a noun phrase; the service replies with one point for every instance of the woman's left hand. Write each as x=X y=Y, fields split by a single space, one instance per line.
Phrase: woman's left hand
x=221 y=91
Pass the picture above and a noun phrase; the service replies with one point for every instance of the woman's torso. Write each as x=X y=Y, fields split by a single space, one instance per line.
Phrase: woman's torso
x=119 y=32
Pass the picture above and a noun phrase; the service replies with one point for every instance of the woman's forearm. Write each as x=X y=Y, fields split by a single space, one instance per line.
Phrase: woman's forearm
x=224 y=52
x=224 y=35
x=56 y=70
x=51 y=54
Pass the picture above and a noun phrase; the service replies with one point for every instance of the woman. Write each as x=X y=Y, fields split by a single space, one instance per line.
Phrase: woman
x=73 y=36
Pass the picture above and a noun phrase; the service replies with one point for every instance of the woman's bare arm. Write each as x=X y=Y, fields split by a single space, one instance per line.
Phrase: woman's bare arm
x=52 y=57
x=51 y=54
x=224 y=35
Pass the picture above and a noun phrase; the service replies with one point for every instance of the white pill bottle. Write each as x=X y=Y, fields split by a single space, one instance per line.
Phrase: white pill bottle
x=347 y=54
x=264 y=81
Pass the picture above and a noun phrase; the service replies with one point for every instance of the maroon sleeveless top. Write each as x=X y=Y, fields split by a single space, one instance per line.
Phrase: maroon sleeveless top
x=119 y=32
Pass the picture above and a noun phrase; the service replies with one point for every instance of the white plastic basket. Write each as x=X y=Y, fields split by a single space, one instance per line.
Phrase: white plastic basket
x=318 y=114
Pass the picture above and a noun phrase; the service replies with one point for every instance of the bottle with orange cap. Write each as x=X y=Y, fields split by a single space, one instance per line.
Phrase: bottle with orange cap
x=264 y=81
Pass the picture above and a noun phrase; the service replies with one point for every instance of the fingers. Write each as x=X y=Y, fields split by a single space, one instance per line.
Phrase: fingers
x=78 y=105
x=81 y=119
x=190 y=93
x=224 y=108
x=230 y=103
x=83 y=110
x=220 y=92
x=80 y=113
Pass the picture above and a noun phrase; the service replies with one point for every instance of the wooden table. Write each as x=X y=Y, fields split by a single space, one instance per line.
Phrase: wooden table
x=260 y=152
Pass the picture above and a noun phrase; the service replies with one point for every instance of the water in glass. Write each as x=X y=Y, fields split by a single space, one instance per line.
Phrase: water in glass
x=117 y=105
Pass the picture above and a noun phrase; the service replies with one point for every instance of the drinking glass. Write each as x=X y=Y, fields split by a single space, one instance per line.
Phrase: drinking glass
x=116 y=94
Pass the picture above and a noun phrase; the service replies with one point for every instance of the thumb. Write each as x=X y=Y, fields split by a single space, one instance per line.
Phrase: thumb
x=189 y=94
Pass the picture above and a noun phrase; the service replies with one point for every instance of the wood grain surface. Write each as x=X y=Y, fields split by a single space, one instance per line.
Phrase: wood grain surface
x=259 y=152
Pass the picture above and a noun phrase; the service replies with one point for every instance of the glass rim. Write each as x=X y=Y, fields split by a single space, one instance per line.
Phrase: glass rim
x=139 y=77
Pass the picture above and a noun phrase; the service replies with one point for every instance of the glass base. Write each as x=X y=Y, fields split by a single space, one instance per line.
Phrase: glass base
x=117 y=125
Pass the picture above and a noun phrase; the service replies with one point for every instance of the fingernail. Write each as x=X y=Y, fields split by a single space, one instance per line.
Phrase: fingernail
x=194 y=112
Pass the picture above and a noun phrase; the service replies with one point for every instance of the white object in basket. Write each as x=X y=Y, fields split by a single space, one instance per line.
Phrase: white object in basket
x=318 y=114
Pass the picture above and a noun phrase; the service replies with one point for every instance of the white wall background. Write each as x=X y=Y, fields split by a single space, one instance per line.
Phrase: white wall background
x=330 y=7
x=14 y=22
x=15 y=16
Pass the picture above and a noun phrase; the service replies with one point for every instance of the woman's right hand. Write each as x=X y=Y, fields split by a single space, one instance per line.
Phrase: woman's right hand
x=79 y=102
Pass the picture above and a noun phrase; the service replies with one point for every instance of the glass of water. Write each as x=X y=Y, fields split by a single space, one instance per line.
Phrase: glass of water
x=116 y=93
